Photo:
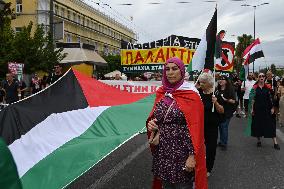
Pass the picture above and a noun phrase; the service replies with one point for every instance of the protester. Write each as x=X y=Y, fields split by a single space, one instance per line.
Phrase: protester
x=263 y=115
x=56 y=75
x=212 y=119
x=280 y=94
x=246 y=87
x=12 y=89
x=176 y=133
x=117 y=77
x=271 y=82
x=23 y=88
x=35 y=84
x=239 y=95
x=2 y=97
x=226 y=91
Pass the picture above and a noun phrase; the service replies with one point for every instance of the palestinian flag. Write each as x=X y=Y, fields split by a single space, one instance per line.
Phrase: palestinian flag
x=58 y=134
x=251 y=53
x=203 y=57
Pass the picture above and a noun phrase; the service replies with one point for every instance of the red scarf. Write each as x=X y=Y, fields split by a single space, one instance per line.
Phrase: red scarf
x=191 y=105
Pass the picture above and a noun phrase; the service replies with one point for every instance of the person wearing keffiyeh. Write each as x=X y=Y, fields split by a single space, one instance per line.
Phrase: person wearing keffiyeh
x=178 y=118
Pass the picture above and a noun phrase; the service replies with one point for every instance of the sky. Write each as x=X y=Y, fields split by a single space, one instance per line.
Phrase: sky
x=156 y=21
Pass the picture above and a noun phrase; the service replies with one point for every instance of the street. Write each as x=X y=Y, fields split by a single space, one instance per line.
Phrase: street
x=243 y=165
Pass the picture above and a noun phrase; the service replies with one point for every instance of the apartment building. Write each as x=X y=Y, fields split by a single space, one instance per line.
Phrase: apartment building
x=78 y=21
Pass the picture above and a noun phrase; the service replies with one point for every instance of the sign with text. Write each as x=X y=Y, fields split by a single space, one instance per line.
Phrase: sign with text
x=134 y=86
x=155 y=55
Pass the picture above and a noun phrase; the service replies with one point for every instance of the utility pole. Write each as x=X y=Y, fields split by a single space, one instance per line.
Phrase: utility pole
x=51 y=13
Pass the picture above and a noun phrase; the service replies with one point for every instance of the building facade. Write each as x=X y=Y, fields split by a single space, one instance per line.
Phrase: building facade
x=74 y=21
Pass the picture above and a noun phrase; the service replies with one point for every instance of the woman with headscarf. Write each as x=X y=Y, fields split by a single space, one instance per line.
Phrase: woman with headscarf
x=176 y=133
x=262 y=111
x=212 y=119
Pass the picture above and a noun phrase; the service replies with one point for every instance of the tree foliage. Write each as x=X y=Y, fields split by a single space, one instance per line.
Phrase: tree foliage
x=243 y=42
x=113 y=62
x=36 y=50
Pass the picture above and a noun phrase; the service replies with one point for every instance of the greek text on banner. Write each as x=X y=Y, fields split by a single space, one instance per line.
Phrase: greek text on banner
x=156 y=55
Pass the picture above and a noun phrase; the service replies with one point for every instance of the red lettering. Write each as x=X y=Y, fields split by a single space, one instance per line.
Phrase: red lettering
x=160 y=55
x=168 y=53
x=131 y=58
x=137 y=89
x=144 y=89
x=125 y=87
x=130 y=88
x=181 y=53
x=138 y=58
x=149 y=55
x=153 y=89
x=173 y=52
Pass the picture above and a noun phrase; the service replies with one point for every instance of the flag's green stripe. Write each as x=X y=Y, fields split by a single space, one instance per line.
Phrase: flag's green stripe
x=9 y=178
x=112 y=128
x=248 y=128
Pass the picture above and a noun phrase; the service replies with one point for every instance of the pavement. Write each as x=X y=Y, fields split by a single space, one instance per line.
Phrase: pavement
x=242 y=166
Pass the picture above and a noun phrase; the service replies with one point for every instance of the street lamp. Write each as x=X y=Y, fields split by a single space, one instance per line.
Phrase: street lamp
x=254 y=8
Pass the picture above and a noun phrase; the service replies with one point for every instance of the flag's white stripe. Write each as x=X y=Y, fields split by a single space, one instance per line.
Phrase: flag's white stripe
x=255 y=49
x=198 y=59
x=50 y=134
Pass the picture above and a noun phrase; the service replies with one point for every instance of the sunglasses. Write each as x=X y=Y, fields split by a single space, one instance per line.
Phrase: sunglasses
x=260 y=76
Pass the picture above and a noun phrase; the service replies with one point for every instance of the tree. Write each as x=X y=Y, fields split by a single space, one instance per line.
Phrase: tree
x=273 y=68
x=243 y=42
x=6 y=38
x=36 y=50
x=113 y=62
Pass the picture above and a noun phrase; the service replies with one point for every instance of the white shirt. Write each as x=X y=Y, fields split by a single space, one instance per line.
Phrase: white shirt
x=248 y=86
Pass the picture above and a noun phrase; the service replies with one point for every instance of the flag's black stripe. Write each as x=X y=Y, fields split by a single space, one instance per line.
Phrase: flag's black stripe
x=19 y=118
x=211 y=40
x=255 y=56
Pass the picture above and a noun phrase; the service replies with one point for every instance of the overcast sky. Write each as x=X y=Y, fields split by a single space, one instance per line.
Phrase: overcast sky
x=157 y=21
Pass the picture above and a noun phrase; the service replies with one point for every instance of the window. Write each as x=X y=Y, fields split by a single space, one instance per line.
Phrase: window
x=19 y=6
x=74 y=16
x=56 y=9
x=18 y=29
x=79 y=19
x=69 y=40
x=62 y=12
x=88 y=23
x=68 y=14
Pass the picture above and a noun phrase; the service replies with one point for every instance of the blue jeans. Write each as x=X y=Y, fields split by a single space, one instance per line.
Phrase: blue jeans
x=223 y=130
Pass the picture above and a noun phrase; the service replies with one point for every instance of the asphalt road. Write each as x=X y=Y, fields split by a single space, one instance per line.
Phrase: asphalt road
x=242 y=166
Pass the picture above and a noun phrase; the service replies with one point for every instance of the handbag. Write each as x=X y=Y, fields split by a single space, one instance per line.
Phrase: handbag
x=155 y=135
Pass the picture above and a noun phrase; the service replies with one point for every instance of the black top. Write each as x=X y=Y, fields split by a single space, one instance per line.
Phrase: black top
x=229 y=108
x=11 y=92
x=211 y=118
x=22 y=86
x=2 y=94
x=53 y=78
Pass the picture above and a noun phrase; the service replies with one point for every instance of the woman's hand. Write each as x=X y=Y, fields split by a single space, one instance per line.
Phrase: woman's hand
x=272 y=111
x=190 y=163
x=214 y=99
x=152 y=126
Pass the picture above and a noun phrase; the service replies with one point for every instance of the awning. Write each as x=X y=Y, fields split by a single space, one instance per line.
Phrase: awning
x=77 y=54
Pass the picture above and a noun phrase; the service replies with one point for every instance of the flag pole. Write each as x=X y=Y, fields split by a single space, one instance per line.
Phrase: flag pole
x=214 y=75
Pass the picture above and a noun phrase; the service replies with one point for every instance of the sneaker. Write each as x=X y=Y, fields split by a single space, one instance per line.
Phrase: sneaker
x=258 y=144
x=276 y=147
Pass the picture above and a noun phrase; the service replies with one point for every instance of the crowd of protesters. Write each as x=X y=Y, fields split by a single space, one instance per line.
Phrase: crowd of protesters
x=12 y=89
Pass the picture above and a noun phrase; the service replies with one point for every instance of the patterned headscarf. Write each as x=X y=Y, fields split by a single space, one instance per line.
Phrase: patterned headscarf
x=168 y=87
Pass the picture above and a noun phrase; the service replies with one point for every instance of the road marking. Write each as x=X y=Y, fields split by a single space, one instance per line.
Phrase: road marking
x=111 y=173
x=280 y=135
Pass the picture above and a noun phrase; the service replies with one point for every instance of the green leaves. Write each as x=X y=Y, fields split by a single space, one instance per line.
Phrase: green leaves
x=30 y=46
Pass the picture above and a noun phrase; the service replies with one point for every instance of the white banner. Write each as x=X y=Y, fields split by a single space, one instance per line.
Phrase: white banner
x=134 y=86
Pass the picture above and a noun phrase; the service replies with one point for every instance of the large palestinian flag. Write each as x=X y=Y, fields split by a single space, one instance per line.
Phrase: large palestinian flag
x=61 y=132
